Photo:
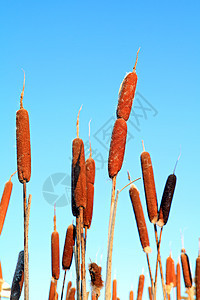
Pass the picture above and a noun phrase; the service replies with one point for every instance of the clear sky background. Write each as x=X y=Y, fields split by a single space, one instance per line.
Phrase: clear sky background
x=78 y=52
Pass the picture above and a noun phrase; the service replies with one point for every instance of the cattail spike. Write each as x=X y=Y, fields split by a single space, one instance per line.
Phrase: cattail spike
x=170 y=247
x=22 y=93
x=143 y=145
x=1 y=275
x=12 y=175
x=182 y=239
x=54 y=217
x=134 y=69
x=68 y=247
x=199 y=246
x=140 y=219
x=177 y=161
x=90 y=140
x=77 y=121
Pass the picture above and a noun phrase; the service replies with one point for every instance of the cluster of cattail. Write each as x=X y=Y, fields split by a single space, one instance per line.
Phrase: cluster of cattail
x=82 y=197
x=156 y=217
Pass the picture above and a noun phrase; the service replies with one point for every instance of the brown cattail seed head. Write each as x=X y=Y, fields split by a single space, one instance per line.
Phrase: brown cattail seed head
x=139 y=216
x=150 y=293
x=126 y=96
x=5 y=202
x=186 y=270
x=166 y=200
x=69 y=285
x=71 y=295
x=149 y=186
x=178 y=281
x=131 y=295
x=79 y=196
x=1 y=278
x=94 y=296
x=90 y=170
x=114 y=293
x=18 y=278
x=68 y=247
x=52 y=289
x=96 y=280
x=170 y=274
x=197 y=278
x=117 y=147
x=140 y=287
x=23 y=145
x=90 y=177
x=55 y=255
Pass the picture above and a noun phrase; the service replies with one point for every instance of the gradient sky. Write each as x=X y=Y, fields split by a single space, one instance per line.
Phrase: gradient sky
x=78 y=52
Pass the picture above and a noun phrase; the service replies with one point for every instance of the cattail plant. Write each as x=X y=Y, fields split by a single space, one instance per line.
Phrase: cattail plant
x=94 y=296
x=141 y=225
x=5 y=201
x=127 y=93
x=96 y=279
x=1 y=279
x=68 y=251
x=150 y=293
x=79 y=198
x=170 y=274
x=53 y=295
x=178 y=281
x=55 y=252
x=163 y=214
x=69 y=285
x=71 y=295
x=23 y=142
x=90 y=178
x=187 y=275
x=197 y=275
x=152 y=205
x=149 y=186
x=18 y=278
x=24 y=175
x=114 y=289
x=139 y=217
x=140 y=287
x=131 y=295
x=166 y=200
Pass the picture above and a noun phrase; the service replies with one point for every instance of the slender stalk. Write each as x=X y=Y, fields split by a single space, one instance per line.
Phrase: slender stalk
x=83 y=279
x=77 y=122
x=55 y=287
x=111 y=207
x=158 y=242
x=190 y=293
x=85 y=236
x=109 y=255
x=78 y=258
x=28 y=213
x=63 y=285
x=26 y=269
x=150 y=274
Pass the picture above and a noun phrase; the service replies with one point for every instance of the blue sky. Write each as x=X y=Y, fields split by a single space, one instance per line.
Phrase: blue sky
x=78 y=53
